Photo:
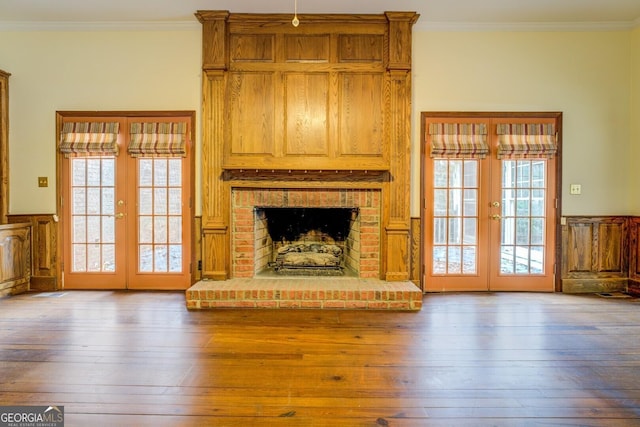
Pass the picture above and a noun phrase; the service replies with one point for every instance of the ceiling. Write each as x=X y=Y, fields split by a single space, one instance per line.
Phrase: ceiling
x=437 y=14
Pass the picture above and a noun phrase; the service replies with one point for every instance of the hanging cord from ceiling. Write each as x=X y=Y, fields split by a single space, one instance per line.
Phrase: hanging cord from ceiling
x=295 y=21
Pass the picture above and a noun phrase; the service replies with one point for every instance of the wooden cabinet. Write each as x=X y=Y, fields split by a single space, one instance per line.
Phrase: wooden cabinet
x=44 y=265
x=15 y=258
x=595 y=255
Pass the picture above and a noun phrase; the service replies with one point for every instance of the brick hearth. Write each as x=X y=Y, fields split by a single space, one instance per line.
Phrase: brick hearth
x=305 y=293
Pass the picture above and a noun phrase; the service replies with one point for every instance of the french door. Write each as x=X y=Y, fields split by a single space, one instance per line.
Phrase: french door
x=489 y=213
x=126 y=214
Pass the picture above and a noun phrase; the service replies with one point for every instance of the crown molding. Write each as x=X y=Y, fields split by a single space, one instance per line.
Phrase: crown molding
x=100 y=26
x=419 y=26
x=526 y=26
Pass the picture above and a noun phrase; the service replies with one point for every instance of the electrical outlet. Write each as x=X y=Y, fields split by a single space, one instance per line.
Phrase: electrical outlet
x=575 y=189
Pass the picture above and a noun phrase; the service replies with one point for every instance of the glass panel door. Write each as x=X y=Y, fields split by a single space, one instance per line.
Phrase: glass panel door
x=162 y=224
x=93 y=208
x=489 y=224
x=454 y=227
x=523 y=217
x=525 y=226
x=93 y=214
x=95 y=223
x=455 y=217
x=126 y=220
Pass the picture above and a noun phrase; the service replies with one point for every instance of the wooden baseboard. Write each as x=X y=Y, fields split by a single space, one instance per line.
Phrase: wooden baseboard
x=633 y=288
x=43 y=284
x=577 y=286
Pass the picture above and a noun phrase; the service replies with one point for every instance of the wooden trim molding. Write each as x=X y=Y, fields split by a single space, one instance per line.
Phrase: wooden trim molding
x=416 y=252
x=634 y=256
x=4 y=146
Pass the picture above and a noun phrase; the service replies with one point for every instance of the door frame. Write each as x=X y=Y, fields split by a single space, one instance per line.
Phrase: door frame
x=58 y=217
x=557 y=116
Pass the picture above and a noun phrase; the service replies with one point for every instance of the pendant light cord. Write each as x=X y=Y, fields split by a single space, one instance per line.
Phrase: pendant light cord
x=295 y=21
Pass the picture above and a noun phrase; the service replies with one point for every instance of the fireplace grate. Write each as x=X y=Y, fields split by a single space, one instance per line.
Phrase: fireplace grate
x=309 y=271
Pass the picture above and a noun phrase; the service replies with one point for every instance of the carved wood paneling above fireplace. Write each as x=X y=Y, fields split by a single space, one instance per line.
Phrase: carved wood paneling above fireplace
x=322 y=105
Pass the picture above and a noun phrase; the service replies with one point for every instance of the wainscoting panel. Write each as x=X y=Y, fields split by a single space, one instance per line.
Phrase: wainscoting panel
x=44 y=274
x=595 y=257
x=15 y=258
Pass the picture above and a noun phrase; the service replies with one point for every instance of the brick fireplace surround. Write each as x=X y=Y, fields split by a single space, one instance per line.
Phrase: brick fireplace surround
x=248 y=289
x=244 y=242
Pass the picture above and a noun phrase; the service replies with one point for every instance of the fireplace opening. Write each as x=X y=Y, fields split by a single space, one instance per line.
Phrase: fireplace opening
x=307 y=241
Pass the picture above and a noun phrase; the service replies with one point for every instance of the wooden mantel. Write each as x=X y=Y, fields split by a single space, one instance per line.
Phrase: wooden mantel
x=283 y=105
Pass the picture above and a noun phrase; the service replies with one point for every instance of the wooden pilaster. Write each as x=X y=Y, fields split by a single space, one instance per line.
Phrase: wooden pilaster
x=215 y=197
x=4 y=146
x=397 y=230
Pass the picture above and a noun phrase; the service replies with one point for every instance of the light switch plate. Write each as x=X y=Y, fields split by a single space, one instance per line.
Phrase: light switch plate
x=43 y=181
x=575 y=189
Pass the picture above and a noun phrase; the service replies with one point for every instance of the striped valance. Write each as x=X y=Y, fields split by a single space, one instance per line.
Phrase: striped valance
x=526 y=141
x=158 y=139
x=458 y=140
x=89 y=138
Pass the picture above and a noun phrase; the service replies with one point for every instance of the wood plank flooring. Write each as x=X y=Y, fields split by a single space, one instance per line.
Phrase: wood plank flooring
x=469 y=359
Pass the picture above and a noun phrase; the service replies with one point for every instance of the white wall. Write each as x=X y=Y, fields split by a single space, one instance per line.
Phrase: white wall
x=585 y=75
x=85 y=71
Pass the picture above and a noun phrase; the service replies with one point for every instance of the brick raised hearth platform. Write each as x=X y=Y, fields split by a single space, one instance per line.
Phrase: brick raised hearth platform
x=305 y=293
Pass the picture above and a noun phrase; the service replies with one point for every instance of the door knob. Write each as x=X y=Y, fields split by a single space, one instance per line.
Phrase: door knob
x=496 y=217
x=495 y=204
x=119 y=215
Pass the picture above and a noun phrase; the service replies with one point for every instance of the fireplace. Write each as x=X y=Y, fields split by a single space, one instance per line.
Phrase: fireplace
x=313 y=119
x=307 y=241
x=305 y=232
x=263 y=219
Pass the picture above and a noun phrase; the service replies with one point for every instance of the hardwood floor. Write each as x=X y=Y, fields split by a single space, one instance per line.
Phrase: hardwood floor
x=475 y=359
